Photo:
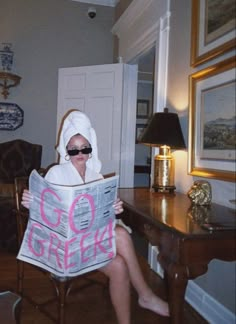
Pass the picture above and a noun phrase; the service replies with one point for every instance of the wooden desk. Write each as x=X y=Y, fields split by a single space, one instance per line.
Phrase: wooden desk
x=171 y=223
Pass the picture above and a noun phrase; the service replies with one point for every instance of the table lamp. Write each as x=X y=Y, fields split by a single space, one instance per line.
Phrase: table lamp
x=164 y=131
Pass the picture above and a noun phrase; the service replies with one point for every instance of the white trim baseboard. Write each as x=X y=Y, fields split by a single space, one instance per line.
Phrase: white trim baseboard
x=208 y=307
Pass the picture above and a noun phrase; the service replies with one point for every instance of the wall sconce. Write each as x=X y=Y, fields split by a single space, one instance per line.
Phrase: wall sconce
x=164 y=131
x=9 y=79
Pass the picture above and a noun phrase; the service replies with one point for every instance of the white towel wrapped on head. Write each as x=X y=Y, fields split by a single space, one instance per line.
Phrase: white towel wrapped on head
x=78 y=123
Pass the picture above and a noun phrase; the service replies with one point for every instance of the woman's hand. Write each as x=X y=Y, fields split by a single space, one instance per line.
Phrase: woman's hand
x=26 y=198
x=118 y=206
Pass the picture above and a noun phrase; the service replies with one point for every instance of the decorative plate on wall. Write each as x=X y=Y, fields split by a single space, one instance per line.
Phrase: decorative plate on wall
x=11 y=116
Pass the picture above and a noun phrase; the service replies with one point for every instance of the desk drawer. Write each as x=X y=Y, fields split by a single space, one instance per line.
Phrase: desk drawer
x=144 y=227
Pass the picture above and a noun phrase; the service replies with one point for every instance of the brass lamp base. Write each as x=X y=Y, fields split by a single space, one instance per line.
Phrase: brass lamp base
x=169 y=189
x=164 y=171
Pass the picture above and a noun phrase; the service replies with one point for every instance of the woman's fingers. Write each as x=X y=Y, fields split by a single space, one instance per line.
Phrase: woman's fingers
x=118 y=206
x=26 y=198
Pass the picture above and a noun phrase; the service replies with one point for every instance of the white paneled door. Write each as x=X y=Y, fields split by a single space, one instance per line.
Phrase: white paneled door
x=107 y=94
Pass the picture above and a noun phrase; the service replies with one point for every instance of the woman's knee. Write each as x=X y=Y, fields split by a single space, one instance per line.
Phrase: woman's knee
x=122 y=236
x=117 y=267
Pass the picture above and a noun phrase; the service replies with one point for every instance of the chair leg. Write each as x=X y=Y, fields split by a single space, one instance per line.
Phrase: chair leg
x=20 y=277
x=62 y=294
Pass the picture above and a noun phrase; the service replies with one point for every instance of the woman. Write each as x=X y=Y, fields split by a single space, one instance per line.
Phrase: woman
x=79 y=164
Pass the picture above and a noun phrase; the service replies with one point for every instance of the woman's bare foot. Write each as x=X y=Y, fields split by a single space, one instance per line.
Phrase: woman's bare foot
x=155 y=304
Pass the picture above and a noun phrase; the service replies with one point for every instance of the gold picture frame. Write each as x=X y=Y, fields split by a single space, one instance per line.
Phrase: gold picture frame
x=213 y=29
x=212 y=122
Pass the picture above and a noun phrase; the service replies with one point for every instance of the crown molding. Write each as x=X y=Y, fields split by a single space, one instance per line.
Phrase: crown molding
x=143 y=43
x=139 y=27
x=131 y=14
x=109 y=3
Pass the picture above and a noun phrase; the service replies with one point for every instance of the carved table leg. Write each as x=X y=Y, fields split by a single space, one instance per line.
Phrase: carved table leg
x=177 y=283
x=177 y=276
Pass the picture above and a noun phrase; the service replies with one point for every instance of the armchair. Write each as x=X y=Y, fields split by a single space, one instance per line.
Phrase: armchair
x=17 y=158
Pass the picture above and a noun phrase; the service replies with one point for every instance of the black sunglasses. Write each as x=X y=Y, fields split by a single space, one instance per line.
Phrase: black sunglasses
x=86 y=150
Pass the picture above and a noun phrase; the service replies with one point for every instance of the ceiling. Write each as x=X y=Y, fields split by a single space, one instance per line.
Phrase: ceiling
x=110 y=3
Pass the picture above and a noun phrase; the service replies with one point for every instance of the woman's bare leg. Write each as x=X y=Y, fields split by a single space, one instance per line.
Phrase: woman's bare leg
x=119 y=285
x=147 y=298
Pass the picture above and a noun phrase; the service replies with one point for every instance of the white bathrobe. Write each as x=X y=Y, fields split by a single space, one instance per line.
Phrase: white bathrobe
x=66 y=174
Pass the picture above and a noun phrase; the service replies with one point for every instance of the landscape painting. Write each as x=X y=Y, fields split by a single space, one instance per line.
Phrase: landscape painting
x=220 y=18
x=218 y=137
x=212 y=30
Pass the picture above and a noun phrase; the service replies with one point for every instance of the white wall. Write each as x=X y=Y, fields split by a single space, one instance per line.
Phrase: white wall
x=47 y=35
x=219 y=281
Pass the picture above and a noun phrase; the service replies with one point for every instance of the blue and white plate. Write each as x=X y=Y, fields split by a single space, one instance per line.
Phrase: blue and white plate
x=11 y=116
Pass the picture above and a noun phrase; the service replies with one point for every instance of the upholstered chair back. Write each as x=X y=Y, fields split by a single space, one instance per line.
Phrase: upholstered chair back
x=17 y=158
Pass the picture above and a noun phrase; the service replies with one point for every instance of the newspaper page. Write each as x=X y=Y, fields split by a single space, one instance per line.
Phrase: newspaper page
x=71 y=229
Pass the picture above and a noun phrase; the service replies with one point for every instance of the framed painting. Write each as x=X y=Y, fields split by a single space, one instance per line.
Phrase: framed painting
x=143 y=108
x=212 y=116
x=139 y=130
x=213 y=29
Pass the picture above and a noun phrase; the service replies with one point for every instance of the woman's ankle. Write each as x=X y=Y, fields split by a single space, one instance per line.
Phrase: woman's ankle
x=155 y=304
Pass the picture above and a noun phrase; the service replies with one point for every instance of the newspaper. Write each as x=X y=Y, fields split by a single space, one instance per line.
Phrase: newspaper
x=71 y=229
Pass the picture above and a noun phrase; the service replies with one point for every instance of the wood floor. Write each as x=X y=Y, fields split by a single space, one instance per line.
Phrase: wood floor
x=91 y=305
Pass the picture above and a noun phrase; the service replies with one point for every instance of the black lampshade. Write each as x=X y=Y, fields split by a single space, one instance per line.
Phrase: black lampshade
x=164 y=129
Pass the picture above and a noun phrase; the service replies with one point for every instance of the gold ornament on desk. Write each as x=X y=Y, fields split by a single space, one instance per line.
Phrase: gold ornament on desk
x=200 y=214
x=200 y=193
